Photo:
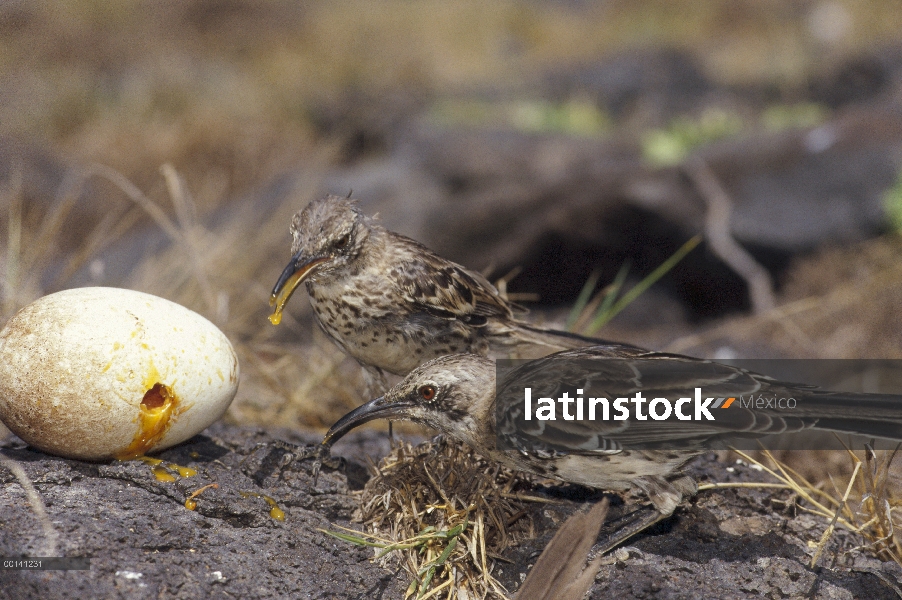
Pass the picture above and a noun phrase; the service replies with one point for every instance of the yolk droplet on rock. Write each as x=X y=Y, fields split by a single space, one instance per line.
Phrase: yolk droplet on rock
x=275 y=512
x=162 y=474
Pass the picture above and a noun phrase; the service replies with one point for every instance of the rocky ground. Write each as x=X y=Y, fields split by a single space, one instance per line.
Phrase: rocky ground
x=142 y=542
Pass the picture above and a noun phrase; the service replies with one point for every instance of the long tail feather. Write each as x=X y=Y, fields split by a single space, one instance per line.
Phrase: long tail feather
x=558 y=340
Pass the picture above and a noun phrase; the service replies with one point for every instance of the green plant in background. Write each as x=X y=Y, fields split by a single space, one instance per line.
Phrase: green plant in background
x=576 y=116
x=466 y=112
x=589 y=314
x=791 y=116
x=892 y=204
x=671 y=146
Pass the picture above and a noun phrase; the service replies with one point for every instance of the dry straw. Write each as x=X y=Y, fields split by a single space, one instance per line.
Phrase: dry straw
x=444 y=515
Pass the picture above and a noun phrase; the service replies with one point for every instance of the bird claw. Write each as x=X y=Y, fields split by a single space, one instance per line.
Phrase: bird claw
x=619 y=530
x=323 y=458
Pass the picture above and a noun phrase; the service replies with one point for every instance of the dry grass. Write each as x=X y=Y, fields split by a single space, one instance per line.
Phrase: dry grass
x=444 y=515
x=840 y=303
x=865 y=504
x=208 y=270
x=230 y=92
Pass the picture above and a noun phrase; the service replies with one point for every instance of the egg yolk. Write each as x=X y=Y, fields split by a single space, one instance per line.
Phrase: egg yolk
x=157 y=409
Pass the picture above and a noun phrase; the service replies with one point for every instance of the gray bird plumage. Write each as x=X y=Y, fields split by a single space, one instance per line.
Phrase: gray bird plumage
x=457 y=396
x=390 y=302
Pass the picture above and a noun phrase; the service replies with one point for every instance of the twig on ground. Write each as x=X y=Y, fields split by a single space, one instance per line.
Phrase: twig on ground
x=51 y=536
x=720 y=239
x=558 y=572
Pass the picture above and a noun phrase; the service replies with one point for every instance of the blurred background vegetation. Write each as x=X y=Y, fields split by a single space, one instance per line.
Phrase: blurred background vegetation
x=232 y=92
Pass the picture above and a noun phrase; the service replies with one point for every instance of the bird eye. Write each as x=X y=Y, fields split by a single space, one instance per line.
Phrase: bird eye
x=342 y=241
x=427 y=392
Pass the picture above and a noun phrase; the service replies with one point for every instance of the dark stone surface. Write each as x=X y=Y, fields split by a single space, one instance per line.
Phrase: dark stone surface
x=143 y=542
x=736 y=543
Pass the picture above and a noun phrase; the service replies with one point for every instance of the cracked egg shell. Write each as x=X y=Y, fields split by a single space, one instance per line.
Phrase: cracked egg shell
x=99 y=373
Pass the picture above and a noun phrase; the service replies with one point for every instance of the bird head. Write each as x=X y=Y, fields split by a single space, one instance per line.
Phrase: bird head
x=328 y=235
x=452 y=394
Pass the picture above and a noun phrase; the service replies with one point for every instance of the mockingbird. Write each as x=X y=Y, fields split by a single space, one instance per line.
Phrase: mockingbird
x=456 y=395
x=390 y=302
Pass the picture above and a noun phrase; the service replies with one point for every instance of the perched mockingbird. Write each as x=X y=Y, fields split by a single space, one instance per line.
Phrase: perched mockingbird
x=456 y=395
x=390 y=302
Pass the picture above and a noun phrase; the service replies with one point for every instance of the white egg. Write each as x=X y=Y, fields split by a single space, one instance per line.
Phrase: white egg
x=99 y=373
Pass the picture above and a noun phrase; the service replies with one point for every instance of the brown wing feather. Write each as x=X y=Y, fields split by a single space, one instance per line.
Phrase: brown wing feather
x=445 y=289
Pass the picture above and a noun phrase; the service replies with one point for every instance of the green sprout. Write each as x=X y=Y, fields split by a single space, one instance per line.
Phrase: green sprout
x=427 y=542
x=671 y=146
x=892 y=204
x=589 y=314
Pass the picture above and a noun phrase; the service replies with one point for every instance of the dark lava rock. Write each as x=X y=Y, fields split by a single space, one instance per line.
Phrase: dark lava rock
x=142 y=542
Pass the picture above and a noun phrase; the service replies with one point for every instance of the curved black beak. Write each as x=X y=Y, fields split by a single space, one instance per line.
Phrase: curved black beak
x=292 y=276
x=379 y=408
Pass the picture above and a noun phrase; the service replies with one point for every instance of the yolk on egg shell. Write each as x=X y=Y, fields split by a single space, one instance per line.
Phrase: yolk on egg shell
x=157 y=409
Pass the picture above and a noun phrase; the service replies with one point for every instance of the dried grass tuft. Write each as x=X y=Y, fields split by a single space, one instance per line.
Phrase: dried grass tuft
x=223 y=271
x=866 y=504
x=444 y=515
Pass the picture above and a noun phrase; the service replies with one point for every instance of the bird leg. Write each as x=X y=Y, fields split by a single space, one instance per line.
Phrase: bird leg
x=619 y=530
x=664 y=494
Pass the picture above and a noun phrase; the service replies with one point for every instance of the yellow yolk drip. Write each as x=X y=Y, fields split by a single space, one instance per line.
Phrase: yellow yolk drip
x=157 y=409
x=282 y=298
x=183 y=471
x=157 y=468
x=291 y=284
x=162 y=472
x=191 y=503
x=275 y=512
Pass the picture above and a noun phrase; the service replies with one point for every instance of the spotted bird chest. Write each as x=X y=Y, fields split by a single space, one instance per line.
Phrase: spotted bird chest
x=373 y=325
